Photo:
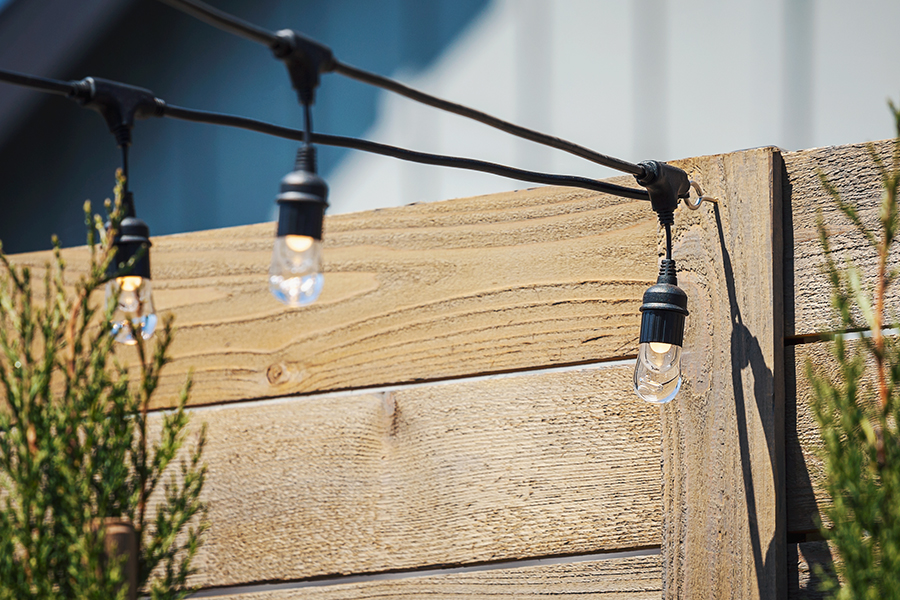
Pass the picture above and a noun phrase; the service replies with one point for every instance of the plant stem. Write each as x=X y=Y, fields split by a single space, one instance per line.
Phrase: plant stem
x=145 y=400
x=877 y=334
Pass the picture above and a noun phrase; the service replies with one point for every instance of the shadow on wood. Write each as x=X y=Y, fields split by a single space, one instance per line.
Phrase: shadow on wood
x=723 y=535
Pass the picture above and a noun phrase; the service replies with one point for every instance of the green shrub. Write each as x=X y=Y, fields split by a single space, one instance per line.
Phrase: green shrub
x=859 y=420
x=74 y=443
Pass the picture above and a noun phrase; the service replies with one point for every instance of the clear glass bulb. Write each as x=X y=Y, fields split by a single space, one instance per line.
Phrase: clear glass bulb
x=134 y=309
x=295 y=277
x=657 y=374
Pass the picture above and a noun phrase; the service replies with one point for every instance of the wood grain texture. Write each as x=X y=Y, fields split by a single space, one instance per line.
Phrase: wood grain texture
x=723 y=534
x=634 y=578
x=441 y=474
x=804 y=581
x=805 y=470
x=851 y=169
x=470 y=286
x=808 y=297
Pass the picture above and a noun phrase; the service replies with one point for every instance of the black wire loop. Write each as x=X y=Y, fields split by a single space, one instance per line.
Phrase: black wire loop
x=187 y=114
x=160 y=108
x=476 y=115
x=224 y=21
x=41 y=84
x=239 y=27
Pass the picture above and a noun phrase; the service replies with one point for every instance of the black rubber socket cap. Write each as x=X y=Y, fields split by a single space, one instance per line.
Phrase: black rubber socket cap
x=662 y=314
x=302 y=203
x=132 y=240
x=665 y=184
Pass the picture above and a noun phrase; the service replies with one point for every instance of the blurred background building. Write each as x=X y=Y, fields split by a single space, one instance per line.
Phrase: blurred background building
x=637 y=79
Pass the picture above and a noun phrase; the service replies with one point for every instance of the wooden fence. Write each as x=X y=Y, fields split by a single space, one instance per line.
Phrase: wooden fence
x=454 y=416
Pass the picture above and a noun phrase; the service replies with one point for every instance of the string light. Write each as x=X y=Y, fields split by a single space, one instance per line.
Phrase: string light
x=295 y=277
x=295 y=274
x=129 y=281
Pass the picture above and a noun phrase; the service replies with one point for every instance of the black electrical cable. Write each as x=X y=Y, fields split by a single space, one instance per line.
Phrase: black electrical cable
x=51 y=86
x=477 y=115
x=222 y=20
x=199 y=116
x=127 y=197
x=307 y=124
x=483 y=166
x=124 y=148
x=668 y=241
x=232 y=24
x=60 y=87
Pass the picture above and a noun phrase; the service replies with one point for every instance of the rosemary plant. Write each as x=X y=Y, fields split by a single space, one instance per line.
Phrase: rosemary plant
x=858 y=420
x=75 y=450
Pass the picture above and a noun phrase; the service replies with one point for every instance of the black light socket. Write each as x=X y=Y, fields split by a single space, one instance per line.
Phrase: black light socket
x=665 y=184
x=664 y=309
x=118 y=103
x=305 y=59
x=132 y=241
x=303 y=199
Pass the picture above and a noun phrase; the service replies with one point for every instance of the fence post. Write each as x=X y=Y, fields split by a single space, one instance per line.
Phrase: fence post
x=120 y=540
x=723 y=436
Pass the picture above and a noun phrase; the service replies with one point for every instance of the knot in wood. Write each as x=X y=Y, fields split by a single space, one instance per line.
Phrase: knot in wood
x=275 y=374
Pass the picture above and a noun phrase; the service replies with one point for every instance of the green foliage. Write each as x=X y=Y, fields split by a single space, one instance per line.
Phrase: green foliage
x=74 y=443
x=859 y=425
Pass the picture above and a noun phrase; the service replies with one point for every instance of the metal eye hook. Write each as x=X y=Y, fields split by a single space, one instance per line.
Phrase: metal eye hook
x=700 y=197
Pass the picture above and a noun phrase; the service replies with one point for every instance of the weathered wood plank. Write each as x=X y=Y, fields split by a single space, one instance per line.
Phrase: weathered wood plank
x=470 y=286
x=441 y=474
x=723 y=534
x=852 y=171
x=804 y=581
x=808 y=296
x=634 y=578
x=805 y=469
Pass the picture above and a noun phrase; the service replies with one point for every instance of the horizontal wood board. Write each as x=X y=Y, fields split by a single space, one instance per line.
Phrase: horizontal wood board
x=807 y=290
x=633 y=578
x=442 y=474
x=808 y=297
x=804 y=466
x=448 y=289
x=804 y=470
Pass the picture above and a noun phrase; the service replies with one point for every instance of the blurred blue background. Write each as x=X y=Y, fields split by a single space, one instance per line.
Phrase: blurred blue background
x=637 y=79
x=188 y=176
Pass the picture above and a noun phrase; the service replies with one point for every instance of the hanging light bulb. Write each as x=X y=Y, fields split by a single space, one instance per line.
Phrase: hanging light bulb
x=131 y=283
x=295 y=277
x=657 y=373
x=134 y=309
